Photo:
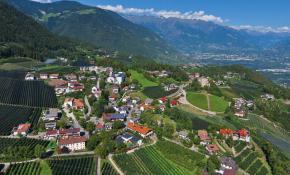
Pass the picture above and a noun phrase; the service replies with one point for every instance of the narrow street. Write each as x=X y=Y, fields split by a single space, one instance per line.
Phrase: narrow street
x=88 y=106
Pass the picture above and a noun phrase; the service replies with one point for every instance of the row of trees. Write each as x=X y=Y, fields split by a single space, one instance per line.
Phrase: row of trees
x=22 y=153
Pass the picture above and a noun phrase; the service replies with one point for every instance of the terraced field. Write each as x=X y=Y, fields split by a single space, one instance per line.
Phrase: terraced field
x=250 y=161
x=156 y=160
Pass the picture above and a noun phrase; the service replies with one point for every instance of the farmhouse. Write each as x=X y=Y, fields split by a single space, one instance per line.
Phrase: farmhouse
x=240 y=113
x=183 y=135
x=227 y=166
x=143 y=131
x=22 y=129
x=73 y=143
x=242 y=135
x=30 y=76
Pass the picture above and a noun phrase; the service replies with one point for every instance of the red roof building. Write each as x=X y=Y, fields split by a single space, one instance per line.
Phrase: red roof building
x=73 y=143
x=203 y=135
x=22 y=129
x=173 y=103
x=226 y=132
x=143 y=131
x=212 y=148
x=163 y=100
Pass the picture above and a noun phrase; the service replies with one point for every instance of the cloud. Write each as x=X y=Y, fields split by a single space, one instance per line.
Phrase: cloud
x=263 y=29
x=42 y=1
x=198 y=15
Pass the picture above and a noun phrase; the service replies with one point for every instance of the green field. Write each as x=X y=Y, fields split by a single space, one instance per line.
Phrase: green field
x=160 y=160
x=218 y=104
x=197 y=99
x=141 y=79
x=200 y=100
x=156 y=92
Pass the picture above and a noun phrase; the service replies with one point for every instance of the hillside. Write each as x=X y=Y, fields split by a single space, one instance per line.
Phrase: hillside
x=22 y=36
x=101 y=28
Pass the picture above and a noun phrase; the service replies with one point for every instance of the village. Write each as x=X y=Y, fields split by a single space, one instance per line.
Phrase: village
x=97 y=100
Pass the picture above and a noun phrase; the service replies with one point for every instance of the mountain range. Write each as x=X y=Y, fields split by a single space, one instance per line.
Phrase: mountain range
x=98 y=27
x=163 y=39
x=190 y=36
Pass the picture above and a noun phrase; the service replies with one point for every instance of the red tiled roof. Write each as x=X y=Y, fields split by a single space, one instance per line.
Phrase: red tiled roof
x=52 y=132
x=243 y=132
x=203 y=135
x=100 y=126
x=69 y=131
x=163 y=99
x=226 y=131
x=72 y=140
x=173 y=102
x=140 y=129
x=23 y=128
x=57 y=82
x=212 y=147
x=79 y=103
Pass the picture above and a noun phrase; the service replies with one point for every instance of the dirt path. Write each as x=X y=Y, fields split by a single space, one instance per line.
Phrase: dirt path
x=120 y=172
x=208 y=101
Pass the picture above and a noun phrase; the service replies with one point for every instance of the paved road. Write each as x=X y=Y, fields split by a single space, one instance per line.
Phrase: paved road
x=89 y=107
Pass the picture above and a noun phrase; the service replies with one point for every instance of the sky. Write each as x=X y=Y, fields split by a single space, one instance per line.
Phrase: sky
x=252 y=14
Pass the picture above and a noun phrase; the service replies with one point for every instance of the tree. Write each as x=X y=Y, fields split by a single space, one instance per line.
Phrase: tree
x=101 y=151
x=90 y=126
x=118 y=125
x=38 y=150
x=93 y=142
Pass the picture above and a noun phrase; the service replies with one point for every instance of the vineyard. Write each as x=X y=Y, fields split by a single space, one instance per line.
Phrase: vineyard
x=27 y=93
x=12 y=116
x=249 y=161
x=20 y=75
x=156 y=160
x=107 y=169
x=31 y=168
x=30 y=143
x=85 y=165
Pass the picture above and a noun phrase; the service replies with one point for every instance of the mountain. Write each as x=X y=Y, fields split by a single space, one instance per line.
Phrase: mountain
x=191 y=36
x=101 y=28
x=20 y=35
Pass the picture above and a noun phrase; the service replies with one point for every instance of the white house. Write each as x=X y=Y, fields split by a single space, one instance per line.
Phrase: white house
x=73 y=143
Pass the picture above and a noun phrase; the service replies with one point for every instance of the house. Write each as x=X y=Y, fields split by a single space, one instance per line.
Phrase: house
x=71 y=77
x=242 y=135
x=22 y=129
x=170 y=87
x=115 y=89
x=183 y=135
x=43 y=76
x=114 y=117
x=113 y=97
x=100 y=126
x=30 y=76
x=142 y=130
x=203 y=135
x=51 y=114
x=75 y=86
x=240 y=113
x=162 y=100
x=69 y=132
x=77 y=104
x=212 y=148
x=73 y=143
x=126 y=99
x=203 y=81
x=148 y=101
x=53 y=76
x=128 y=138
x=193 y=76
x=173 y=103
x=50 y=125
x=61 y=89
x=144 y=107
x=227 y=166
x=226 y=132
x=51 y=134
